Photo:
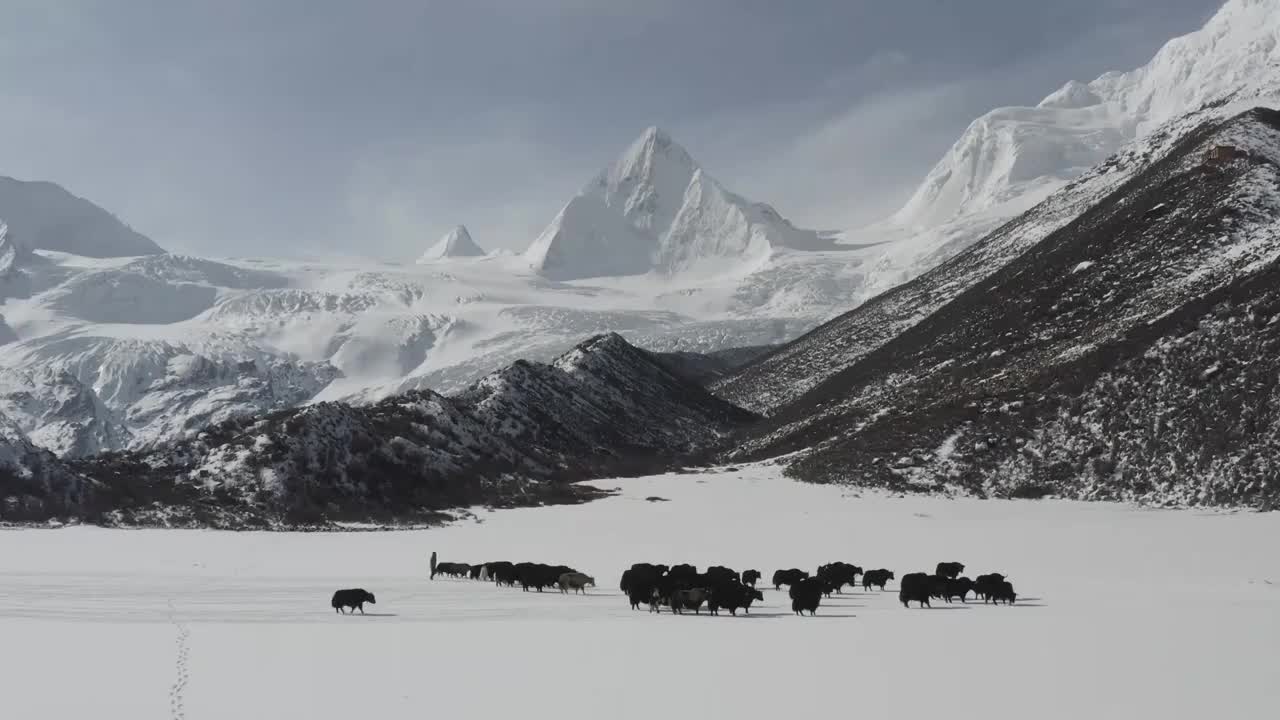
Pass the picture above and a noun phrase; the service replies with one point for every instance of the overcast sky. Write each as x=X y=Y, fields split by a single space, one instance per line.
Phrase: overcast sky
x=317 y=127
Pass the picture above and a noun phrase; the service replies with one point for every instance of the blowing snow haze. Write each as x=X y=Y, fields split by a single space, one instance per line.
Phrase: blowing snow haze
x=298 y=129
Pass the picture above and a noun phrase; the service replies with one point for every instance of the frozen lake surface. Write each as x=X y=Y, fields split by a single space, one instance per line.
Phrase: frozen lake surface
x=1122 y=613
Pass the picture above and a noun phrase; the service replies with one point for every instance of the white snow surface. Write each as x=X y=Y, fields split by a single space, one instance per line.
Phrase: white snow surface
x=1121 y=613
x=455 y=243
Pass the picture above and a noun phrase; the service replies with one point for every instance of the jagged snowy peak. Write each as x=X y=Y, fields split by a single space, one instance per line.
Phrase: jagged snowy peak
x=519 y=436
x=43 y=216
x=456 y=243
x=654 y=209
x=1131 y=354
x=1013 y=157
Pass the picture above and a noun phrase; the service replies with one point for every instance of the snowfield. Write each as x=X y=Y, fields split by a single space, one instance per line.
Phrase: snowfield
x=1122 y=613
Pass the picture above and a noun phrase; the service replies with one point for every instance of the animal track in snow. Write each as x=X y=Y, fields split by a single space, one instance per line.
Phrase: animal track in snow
x=177 y=705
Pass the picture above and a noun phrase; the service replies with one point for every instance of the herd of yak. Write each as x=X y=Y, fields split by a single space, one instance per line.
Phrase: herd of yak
x=681 y=588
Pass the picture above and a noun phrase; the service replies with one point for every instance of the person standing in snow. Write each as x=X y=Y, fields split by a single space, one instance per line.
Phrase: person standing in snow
x=433 y=564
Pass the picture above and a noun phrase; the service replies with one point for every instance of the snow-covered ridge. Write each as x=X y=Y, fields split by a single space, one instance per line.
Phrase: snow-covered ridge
x=518 y=436
x=656 y=210
x=1104 y=361
x=1016 y=156
x=44 y=216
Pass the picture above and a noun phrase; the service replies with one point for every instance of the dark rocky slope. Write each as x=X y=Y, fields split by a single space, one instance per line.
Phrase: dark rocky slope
x=520 y=436
x=1132 y=354
x=707 y=368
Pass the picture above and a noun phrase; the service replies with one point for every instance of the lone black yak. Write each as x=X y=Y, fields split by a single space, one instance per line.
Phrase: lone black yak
x=354 y=599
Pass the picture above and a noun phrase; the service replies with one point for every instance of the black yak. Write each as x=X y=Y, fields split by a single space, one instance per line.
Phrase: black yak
x=788 y=577
x=1003 y=592
x=718 y=574
x=642 y=593
x=683 y=572
x=915 y=587
x=750 y=577
x=688 y=599
x=732 y=597
x=958 y=588
x=876 y=578
x=985 y=585
x=576 y=581
x=642 y=573
x=806 y=595
x=539 y=576
x=838 y=574
x=503 y=573
x=449 y=569
x=949 y=570
x=354 y=598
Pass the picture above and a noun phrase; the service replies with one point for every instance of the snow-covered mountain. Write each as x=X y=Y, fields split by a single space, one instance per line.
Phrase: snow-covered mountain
x=1230 y=65
x=656 y=210
x=520 y=436
x=1132 y=353
x=456 y=243
x=127 y=352
x=44 y=216
x=1020 y=155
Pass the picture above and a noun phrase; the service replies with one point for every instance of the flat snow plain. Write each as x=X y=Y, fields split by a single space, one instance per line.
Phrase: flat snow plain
x=1123 y=613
